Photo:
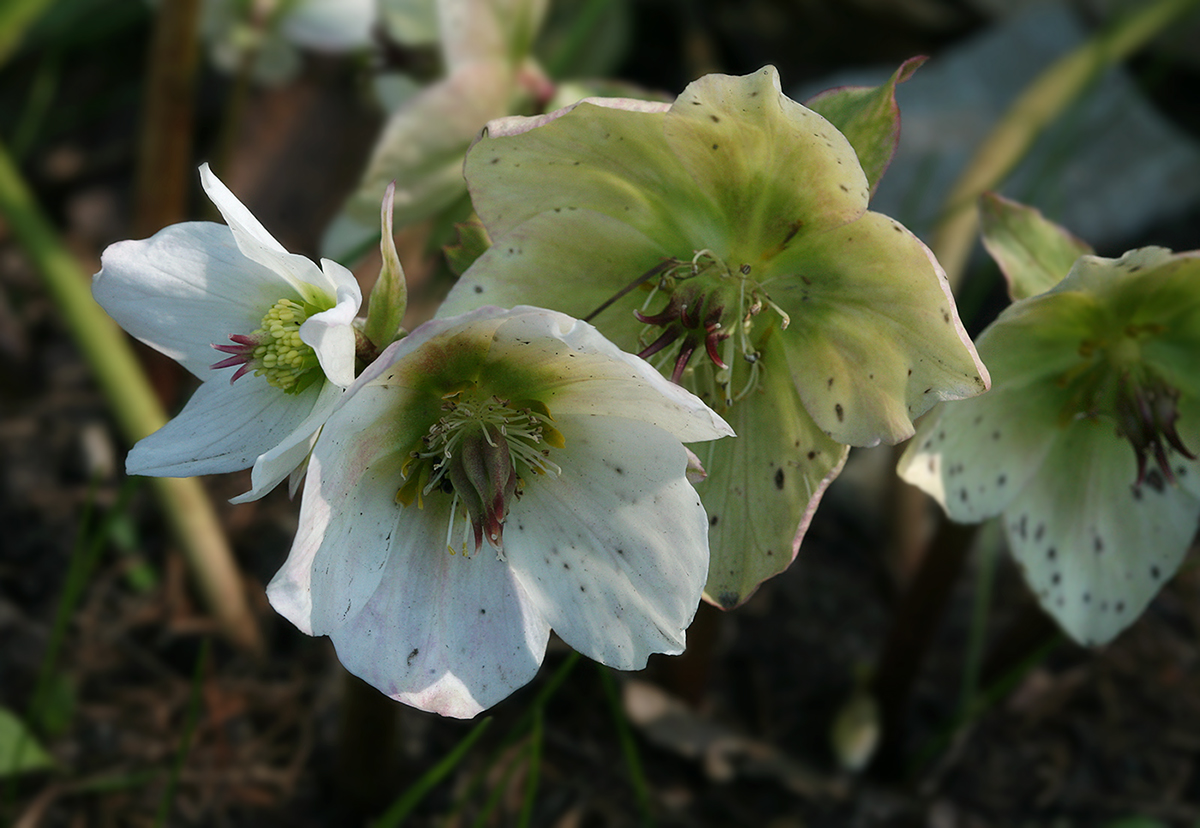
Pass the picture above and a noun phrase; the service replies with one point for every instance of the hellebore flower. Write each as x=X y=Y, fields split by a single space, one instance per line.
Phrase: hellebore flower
x=285 y=324
x=726 y=237
x=1086 y=442
x=488 y=478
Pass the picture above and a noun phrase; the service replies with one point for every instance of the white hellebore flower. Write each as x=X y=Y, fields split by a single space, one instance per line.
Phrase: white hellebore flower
x=285 y=322
x=490 y=477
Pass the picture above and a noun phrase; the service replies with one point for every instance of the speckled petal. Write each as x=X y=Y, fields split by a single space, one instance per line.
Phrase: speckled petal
x=1094 y=548
x=610 y=160
x=764 y=485
x=614 y=551
x=775 y=169
x=875 y=339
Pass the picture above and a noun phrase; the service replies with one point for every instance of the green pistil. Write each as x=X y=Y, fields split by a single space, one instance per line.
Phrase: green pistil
x=481 y=452
x=281 y=357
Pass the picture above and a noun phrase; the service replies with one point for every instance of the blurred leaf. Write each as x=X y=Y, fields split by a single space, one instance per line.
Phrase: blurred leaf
x=585 y=38
x=1033 y=252
x=1135 y=822
x=472 y=242
x=20 y=752
x=57 y=706
x=16 y=16
x=869 y=118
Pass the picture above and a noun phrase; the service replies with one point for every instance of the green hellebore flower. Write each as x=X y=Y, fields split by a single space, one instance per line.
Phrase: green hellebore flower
x=726 y=237
x=1102 y=362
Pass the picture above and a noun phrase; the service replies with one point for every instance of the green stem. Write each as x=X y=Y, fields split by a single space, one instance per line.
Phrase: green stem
x=187 y=506
x=1041 y=102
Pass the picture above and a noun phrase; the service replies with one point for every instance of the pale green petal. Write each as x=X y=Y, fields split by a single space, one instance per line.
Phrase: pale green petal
x=1112 y=277
x=1095 y=549
x=875 y=339
x=974 y=456
x=613 y=161
x=1033 y=253
x=1170 y=299
x=777 y=170
x=543 y=263
x=764 y=485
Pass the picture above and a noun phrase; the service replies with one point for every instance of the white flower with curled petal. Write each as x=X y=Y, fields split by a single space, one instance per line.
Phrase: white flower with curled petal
x=286 y=324
x=489 y=478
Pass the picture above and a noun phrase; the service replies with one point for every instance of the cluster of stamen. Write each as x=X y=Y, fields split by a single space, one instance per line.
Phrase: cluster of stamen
x=275 y=351
x=480 y=452
x=1114 y=381
x=701 y=311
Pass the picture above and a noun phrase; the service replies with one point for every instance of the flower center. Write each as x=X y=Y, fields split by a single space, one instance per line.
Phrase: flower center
x=706 y=304
x=481 y=451
x=1112 y=381
x=275 y=351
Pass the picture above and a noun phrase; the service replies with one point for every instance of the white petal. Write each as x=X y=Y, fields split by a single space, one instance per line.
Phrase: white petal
x=595 y=377
x=436 y=631
x=1093 y=548
x=184 y=289
x=289 y=457
x=224 y=427
x=329 y=333
x=260 y=246
x=614 y=551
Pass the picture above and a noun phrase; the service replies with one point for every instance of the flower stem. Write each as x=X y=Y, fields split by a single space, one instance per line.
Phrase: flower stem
x=1041 y=102
x=164 y=172
x=914 y=622
x=187 y=506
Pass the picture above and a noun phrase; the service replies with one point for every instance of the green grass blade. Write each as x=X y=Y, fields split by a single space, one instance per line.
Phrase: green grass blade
x=633 y=763
x=402 y=807
x=189 y=728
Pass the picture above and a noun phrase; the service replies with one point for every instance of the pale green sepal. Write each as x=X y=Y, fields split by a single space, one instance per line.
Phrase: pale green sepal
x=875 y=339
x=776 y=170
x=20 y=751
x=1033 y=253
x=764 y=485
x=869 y=118
x=472 y=241
x=1094 y=548
x=389 y=296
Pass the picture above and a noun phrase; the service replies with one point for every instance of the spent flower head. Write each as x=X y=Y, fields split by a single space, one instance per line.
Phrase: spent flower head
x=726 y=238
x=490 y=477
x=1086 y=442
x=283 y=324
